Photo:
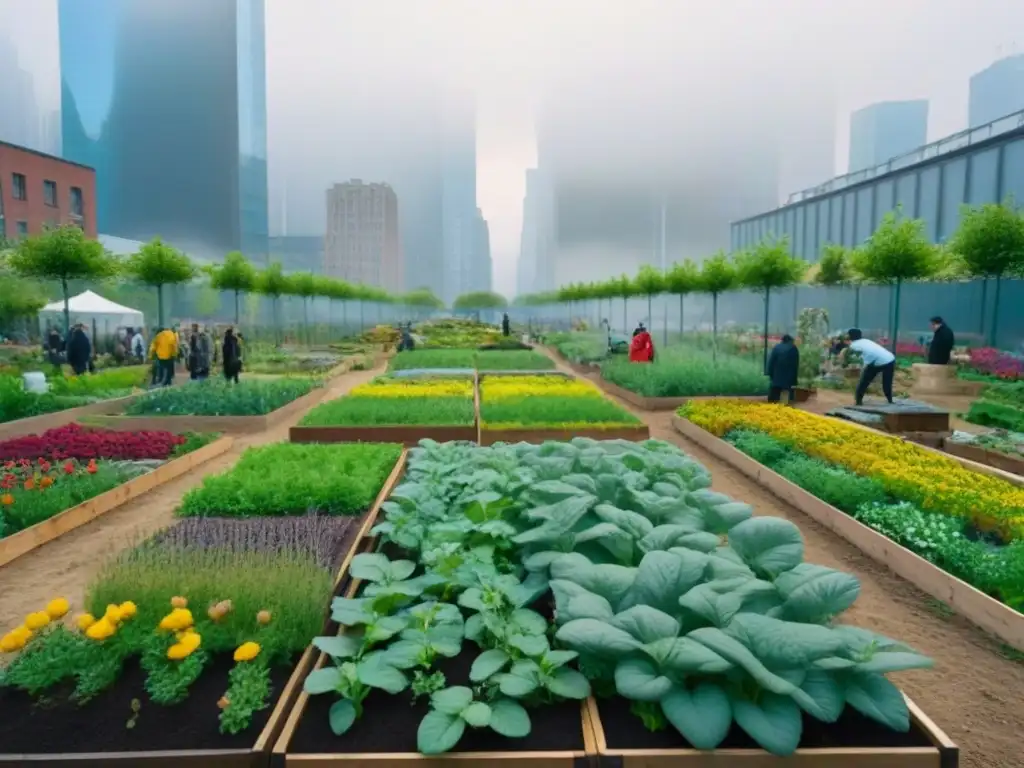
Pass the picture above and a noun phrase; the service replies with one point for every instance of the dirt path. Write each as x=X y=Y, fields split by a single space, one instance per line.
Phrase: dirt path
x=975 y=691
x=64 y=566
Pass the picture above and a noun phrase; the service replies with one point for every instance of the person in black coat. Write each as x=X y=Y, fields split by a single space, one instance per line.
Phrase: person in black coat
x=782 y=369
x=231 y=356
x=79 y=350
x=941 y=348
x=506 y=325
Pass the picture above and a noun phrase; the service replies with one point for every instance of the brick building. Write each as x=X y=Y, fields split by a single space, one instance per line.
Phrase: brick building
x=37 y=189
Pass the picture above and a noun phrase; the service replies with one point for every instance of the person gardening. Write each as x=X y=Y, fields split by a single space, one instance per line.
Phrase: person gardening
x=641 y=349
x=877 y=360
x=782 y=370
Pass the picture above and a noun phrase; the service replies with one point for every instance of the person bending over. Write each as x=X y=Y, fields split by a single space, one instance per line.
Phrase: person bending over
x=877 y=360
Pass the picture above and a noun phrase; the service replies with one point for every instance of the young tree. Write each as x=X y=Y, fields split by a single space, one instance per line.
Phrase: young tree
x=990 y=244
x=649 y=282
x=833 y=270
x=717 y=275
x=235 y=274
x=479 y=300
x=898 y=251
x=63 y=254
x=422 y=300
x=303 y=284
x=769 y=265
x=273 y=283
x=683 y=278
x=158 y=264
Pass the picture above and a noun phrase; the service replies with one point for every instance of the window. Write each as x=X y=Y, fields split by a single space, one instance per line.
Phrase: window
x=77 y=204
x=18 y=187
x=22 y=229
x=50 y=193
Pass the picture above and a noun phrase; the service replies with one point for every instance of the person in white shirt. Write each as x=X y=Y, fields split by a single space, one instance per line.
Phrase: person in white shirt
x=138 y=348
x=877 y=360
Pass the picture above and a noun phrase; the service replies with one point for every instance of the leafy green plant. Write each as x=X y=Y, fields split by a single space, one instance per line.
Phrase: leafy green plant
x=391 y=411
x=454 y=708
x=251 y=397
x=102 y=384
x=293 y=478
x=512 y=360
x=552 y=411
x=433 y=358
x=686 y=371
x=989 y=413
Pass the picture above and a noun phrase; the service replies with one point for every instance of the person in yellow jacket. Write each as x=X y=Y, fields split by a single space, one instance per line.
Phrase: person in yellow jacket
x=164 y=349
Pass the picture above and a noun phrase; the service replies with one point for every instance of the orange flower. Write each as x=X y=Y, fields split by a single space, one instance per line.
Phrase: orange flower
x=46 y=482
x=91 y=467
x=30 y=484
x=6 y=499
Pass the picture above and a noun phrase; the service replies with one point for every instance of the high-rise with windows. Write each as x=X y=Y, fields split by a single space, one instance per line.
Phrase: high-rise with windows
x=882 y=131
x=168 y=103
x=996 y=91
x=362 y=244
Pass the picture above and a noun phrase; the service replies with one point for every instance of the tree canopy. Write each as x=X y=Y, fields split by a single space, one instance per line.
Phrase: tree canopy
x=480 y=300
x=718 y=275
x=990 y=240
x=769 y=265
x=897 y=251
x=235 y=273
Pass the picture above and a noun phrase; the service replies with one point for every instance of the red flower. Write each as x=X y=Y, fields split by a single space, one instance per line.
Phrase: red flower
x=69 y=467
x=91 y=467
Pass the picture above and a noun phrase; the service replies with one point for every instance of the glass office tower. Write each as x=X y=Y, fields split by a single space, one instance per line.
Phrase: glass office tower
x=168 y=102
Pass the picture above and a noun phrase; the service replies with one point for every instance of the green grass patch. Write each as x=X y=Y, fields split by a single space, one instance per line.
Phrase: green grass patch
x=686 y=371
x=513 y=360
x=366 y=411
x=250 y=397
x=433 y=358
x=294 y=478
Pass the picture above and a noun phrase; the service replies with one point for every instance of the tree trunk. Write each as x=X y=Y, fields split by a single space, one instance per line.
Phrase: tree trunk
x=896 y=316
x=856 y=306
x=160 y=304
x=993 y=330
x=984 y=298
x=650 y=313
x=767 y=299
x=344 y=316
x=236 y=308
x=625 y=322
x=714 y=328
x=681 y=316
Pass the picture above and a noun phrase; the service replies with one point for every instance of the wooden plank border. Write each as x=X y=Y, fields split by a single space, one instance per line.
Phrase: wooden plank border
x=942 y=754
x=258 y=755
x=235 y=425
x=974 y=605
x=538 y=435
x=14 y=546
x=989 y=458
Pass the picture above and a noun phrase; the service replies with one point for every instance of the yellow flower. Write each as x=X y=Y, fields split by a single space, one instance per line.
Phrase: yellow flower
x=178 y=651
x=85 y=620
x=179 y=618
x=37 y=620
x=127 y=609
x=57 y=607
x=247 y=651
x=113 y=614
x=15 y=639
x=190 y=640
x=402 y=388
x=101 y=630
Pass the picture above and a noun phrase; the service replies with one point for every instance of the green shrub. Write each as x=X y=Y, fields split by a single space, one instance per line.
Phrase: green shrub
x=762 y=448
x=102 y=383
x=580 y=347
x=17 y=403
x=293 y=479
x=989 y=413
x=250 y=397
x=686 y=372
x=554 y=411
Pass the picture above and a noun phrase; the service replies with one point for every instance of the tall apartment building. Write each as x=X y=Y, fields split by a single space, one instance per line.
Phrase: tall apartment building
x=882 y=131
x=362 y=243
x=996 y=91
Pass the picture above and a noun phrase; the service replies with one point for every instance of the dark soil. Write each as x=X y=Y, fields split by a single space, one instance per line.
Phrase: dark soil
x=55 y=724
x=389 y=723
x=624 y=730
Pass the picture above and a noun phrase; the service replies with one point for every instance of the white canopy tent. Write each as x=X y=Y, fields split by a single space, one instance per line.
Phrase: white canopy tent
x=87 y=307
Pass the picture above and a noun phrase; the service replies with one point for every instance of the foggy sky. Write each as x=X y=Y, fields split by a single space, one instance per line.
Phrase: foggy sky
x=641 y=88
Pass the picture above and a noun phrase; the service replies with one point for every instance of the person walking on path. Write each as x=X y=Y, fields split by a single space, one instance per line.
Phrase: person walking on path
x=199 y=354
x=79 y=350
x=165 y=351
x=941 y=348
x=877 y=360
x=782 y=370
x=506 y=325
x=138 y=345
x=231 y=355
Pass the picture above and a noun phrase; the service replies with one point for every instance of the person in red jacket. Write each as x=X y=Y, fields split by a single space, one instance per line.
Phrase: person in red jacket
x=641 y=349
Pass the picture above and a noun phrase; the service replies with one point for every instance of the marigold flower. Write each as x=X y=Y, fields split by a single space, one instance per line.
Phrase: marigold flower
x=179 y=618
x=57 y=607
x=30 y=484
x=46 y=482
x=6 y=499
x=15 y=639
x=127 y=609
x=37 y=620
x=247 y=651
x=112 y=614
x=101 y=630
x=178 y=651
x=263 y=617
x=190 y=639
x=85 y=620
x=223 y=702
x=179 y=602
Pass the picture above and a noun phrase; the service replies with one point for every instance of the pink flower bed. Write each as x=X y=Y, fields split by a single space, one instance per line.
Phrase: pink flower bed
x=83 y=443
x=995 y=362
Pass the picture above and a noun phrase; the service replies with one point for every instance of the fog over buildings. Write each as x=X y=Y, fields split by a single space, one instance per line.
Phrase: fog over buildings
x=650 y=125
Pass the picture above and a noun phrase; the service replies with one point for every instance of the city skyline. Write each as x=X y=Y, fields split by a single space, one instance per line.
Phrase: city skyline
x=514 y=47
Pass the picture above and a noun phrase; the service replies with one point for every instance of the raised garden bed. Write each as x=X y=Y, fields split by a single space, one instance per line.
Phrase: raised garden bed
x=899 y=417
x=235 y=425
x=976 y=606
x=539 y=435
x=43 y=422
x=24 y=541
x=401 y=410
x=852 y=742
x=997 y=459
x=151 y=734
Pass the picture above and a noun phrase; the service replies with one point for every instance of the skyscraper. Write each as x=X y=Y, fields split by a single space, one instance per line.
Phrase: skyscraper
x=996 y=91
x=168 y=104
x=19 y=110
x=460 y=215
x=882 y=131
x=482 y=270
x=362 y=244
